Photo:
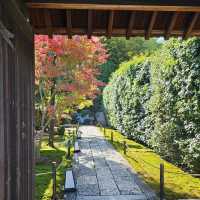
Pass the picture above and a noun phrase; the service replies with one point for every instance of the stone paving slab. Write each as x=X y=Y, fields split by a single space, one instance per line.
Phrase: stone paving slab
x=120 y=197
x=87 y=185
x=102 y=173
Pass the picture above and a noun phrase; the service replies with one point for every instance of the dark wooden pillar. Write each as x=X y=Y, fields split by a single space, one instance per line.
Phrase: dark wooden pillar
x=2 y=125
x=16 y=104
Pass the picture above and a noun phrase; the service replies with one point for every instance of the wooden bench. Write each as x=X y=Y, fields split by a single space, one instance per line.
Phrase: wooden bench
x=69 y=181
x=76 y=147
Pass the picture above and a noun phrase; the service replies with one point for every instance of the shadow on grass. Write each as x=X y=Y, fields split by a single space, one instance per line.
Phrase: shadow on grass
x=120 y=143
x=53 y=155
x=43 y=179
x=177 y=186
x=169 y=194
x=135 y=146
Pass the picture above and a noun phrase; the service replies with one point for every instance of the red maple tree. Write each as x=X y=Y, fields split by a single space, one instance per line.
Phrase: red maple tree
x=66 y=74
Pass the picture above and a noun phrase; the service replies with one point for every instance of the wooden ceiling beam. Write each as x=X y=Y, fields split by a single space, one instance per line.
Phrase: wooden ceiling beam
x=110 y=23
x=171 y=25
x=130 y=25
x=191 y=25
x=151 y=24
x=89 y=24
x=115 y=32
x=69 y=23
x=130 y=7
x=48 y=22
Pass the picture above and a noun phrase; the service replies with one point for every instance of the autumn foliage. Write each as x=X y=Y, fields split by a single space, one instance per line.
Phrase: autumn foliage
x=66 y=71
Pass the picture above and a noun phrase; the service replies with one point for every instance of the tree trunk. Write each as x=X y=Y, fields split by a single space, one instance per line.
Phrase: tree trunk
x=52 y=120
x=51 y=132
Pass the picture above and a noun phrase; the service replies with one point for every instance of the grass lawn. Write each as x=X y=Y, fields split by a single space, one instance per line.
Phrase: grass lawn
x=43 y=182
x=177 y=184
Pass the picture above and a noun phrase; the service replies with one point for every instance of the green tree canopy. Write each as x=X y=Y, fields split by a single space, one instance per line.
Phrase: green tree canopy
x=120 y=49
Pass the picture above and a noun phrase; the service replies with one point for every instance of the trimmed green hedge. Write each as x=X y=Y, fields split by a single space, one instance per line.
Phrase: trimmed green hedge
x=125 y=98
x=156 y=100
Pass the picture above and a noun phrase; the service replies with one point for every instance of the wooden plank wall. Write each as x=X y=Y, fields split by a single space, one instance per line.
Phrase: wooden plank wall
x=16 y=112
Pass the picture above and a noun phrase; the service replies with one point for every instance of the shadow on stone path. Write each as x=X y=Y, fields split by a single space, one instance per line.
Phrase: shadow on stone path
x=101 y=173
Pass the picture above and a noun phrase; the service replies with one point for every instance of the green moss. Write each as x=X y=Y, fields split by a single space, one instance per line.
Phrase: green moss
x=43 y=182
x=177 y=184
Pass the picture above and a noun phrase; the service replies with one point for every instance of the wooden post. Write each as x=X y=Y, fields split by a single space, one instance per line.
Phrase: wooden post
x=125 y=147
x=54 y=197
x=162 y=181
x=74 y=137
x=77 y=127
x=68 y=149
x=104 y=131
x=111 y=136
x=37 y=144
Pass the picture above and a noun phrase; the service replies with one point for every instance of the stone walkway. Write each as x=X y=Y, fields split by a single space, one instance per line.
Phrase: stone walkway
x=101 y=173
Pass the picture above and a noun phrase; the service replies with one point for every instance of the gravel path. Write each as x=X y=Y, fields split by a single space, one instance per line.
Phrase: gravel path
x=102 y=173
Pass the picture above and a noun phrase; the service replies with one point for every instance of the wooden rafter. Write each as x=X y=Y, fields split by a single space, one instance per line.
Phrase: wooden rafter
x=89 y=23
x=130 y=25
x=171 y=25
x=48 y=22
x=129 y=7
x=120 y=16
x=110 y=23
x=151 y=24
x=115 y=32
x=191 y=25
x=69 y=23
